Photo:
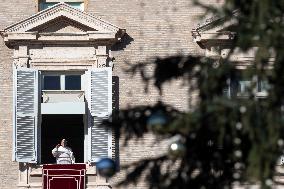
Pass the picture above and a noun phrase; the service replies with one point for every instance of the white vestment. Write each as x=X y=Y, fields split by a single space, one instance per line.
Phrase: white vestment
x=64 y=155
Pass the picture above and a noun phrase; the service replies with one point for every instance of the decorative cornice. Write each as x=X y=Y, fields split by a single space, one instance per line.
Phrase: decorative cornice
x=209 y=22
x=59 y=10
x=30 y=29
x=212 y=31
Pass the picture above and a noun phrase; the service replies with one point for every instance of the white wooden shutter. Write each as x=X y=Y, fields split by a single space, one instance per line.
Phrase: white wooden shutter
x=25 y=115
x=115 y=107
x=100 y=107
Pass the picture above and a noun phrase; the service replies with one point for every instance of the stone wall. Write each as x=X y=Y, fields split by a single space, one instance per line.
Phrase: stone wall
x=155 y=28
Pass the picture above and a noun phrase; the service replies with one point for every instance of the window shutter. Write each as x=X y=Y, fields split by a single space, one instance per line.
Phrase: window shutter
x=100 y=107
x=25 y=115
x=115 y=107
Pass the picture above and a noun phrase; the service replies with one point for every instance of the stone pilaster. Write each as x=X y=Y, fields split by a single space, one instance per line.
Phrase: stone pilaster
x=102 y=56
x=21 y=57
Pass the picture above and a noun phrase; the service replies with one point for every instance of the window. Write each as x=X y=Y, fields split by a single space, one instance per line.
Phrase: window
x=51 y=82
x=72 y=82
x=263 y=86
x=54 y=127
x=35 y=133
x=242 y=86
x=69 y=81
x=44 y=4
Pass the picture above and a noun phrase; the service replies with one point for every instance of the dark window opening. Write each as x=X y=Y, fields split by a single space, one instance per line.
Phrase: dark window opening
x=73 y=82
x=56 y=127
x=51 y=83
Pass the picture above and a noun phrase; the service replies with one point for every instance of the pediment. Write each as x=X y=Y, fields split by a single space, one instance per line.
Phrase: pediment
x=215 y=23
x=62 y=25
x=216 y=29
x=62 y=19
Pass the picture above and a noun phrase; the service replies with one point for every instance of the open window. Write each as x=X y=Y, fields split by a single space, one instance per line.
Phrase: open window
x=55 y=127
x=40 y=126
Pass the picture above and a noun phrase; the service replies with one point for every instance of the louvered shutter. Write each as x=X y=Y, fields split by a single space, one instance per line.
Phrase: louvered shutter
x=115 y=107
x=25 y=115
x=100 y=107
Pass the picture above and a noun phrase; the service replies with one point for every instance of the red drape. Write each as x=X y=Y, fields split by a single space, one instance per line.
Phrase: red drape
x=69 y=176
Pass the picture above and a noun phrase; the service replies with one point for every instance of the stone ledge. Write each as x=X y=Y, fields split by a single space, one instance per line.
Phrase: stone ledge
x=95 y=185
x=30 y=186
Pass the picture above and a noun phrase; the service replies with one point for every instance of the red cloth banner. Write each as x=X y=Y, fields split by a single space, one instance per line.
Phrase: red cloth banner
x=64 y=176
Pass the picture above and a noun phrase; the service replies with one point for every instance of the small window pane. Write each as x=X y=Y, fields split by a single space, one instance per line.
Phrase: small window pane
x=263 y=86
x=51 y=82
x=244 y=87
x=46 y=5
x=73 y=82
x=77 y=5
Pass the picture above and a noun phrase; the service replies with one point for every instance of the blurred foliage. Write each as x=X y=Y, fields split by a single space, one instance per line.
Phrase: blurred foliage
x=229 y=138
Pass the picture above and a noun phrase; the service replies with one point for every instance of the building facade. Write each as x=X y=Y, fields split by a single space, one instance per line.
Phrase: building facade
x=63 y=69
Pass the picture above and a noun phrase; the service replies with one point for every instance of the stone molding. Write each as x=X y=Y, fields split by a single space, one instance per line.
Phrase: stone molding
x=26 y=30
x=85 y=30
x=209 y=22
x=62 y=9
x=33 y=37
x=212 y=32
x=209 y=39
x=214 y=37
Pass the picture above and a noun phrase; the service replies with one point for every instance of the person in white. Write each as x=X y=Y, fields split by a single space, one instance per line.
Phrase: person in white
x=63 y=154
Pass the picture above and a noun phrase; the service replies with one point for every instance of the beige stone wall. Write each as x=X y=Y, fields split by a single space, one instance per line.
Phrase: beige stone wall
x=11 y=11
x=158 y=28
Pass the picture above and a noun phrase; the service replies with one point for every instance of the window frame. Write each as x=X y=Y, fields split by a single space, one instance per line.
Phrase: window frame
x=62 y=75
x=88 y=125
x=238 y=87
x=82 y=7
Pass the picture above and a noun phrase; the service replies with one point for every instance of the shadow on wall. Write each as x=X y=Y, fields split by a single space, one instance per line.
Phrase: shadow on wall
x=122 y=44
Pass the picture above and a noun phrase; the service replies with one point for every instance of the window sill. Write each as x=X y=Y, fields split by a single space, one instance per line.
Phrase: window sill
x=62 y=91
x=37 y=170
x=257 y=95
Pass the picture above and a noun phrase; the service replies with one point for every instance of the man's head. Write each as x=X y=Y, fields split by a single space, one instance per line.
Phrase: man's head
x=63 y=142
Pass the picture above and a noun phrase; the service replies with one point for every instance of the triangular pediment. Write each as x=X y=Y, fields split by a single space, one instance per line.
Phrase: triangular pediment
x=216 y=24
x=215 y=30
x=62 y=25
x=62 y=18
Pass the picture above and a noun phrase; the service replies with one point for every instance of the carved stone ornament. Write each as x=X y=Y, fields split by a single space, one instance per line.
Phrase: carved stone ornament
x=213 y=31
x=215 y=36
x=62 y=38
x=89 y=27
